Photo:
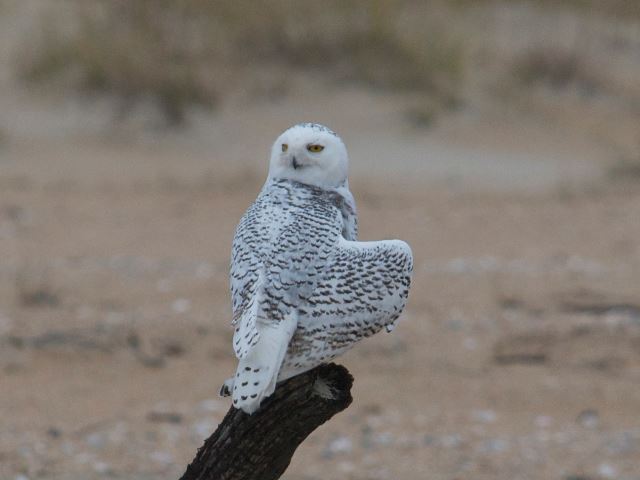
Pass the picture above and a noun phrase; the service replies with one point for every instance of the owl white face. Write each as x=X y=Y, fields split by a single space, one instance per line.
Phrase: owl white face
x=310 y=153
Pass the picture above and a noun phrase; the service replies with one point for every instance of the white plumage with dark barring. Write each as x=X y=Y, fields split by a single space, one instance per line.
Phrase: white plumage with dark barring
x=304 y=290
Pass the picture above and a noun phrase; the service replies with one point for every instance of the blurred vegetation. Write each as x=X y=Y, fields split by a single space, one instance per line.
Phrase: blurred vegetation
x=618 y=8
x=183 y=54
x=556 y=67
x=34 y=288
x=627 y=168
x=613 y=8
x=133 y=50
x=179 y=55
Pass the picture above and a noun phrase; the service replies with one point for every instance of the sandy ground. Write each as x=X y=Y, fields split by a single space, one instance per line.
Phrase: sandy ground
x=518 y=356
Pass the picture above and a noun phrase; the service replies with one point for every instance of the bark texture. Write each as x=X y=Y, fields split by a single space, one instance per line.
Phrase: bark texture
x=260 y=446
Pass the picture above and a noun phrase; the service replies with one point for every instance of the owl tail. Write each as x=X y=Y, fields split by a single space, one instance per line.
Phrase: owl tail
x=258 y=370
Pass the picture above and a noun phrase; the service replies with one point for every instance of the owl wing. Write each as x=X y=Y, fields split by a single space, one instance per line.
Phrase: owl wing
x=365 y=287
x=347 y=205
x=246 y=278
x=286 y=266
x=277 y=258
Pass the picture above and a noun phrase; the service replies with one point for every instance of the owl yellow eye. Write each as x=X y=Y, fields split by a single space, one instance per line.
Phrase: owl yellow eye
x=315 y=148
x=285 y=147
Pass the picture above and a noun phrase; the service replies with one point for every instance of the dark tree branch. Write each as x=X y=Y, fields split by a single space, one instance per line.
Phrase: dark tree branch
x=260 y=446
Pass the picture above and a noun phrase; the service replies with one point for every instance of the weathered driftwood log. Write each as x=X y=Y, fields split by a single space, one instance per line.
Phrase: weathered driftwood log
x=260 y=446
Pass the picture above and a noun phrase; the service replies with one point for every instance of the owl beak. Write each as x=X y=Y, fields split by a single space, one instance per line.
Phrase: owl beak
x=295 y=163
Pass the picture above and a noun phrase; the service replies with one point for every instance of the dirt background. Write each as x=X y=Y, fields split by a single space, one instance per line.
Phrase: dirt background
x=518 y=356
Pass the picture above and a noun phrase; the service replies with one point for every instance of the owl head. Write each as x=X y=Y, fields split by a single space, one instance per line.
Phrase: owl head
x=310 y=153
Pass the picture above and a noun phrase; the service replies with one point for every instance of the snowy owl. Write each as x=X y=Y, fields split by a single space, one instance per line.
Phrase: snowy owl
x=304 y=290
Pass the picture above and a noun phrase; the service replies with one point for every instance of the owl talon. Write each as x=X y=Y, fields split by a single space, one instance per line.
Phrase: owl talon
x=226 y=388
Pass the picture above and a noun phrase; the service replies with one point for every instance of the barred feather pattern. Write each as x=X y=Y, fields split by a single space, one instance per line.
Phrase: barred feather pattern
x=303 y=289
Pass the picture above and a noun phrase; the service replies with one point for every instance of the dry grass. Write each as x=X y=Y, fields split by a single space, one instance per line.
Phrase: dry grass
x=614 y=8
x=626 y=169
x=115 y=50
x=556 y=67
x=34 y=288
x=176 y=56
x=183 y=54
x=617 y=8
